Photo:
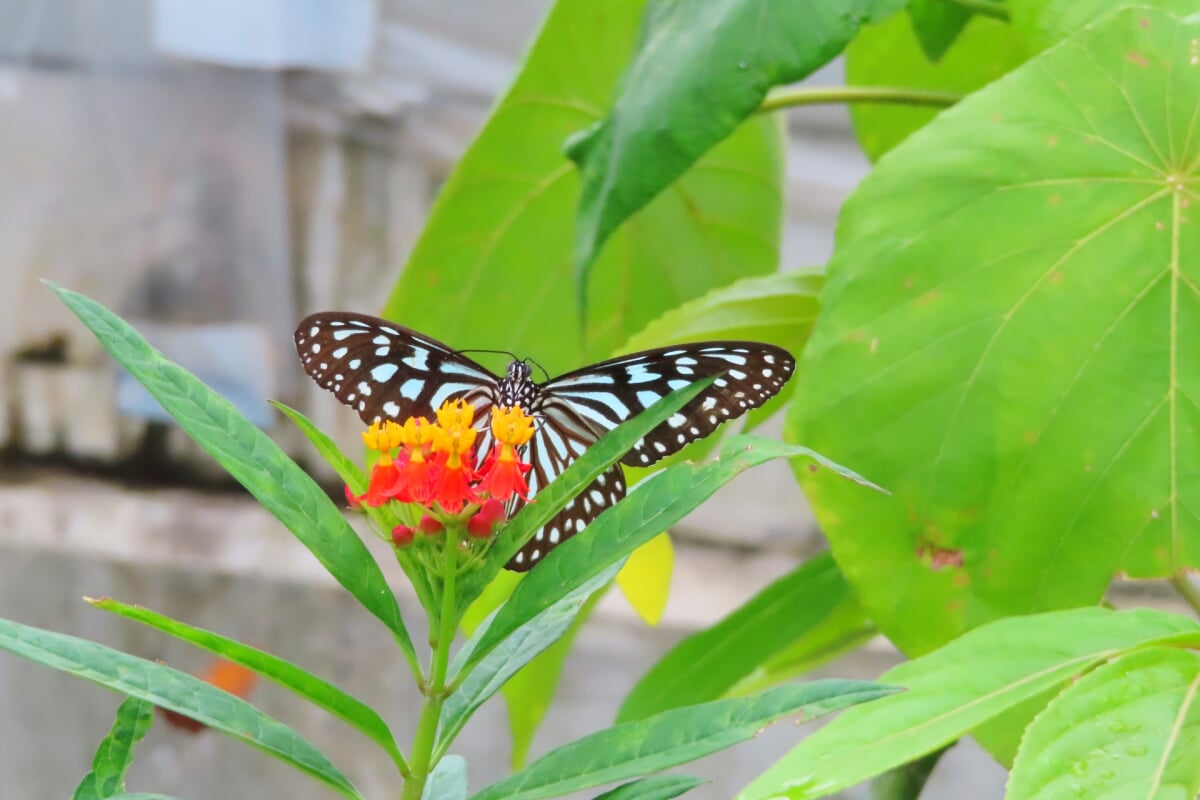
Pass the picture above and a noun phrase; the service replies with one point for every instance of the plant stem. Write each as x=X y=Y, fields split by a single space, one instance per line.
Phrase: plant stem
x=434 y=689
x=986 y=8
x=1187 y=590
x=816 y=95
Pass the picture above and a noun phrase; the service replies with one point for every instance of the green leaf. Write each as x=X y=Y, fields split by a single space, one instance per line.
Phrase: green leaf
x=699 y=71
x=252 y=458
x=346 y=469
x=1028 y=396
x=142 y=796
x=574 y=479
x=318 y=692
x=952 y=690
x=1045 y=23
x=673 y=737
x=658 y=787
x=528 y=693
x=709 y=663
x=651 y=507
x=778 y=309
x=172 y=690
x=448 y=780
x=492 y=268
x=115 y=754
x=485 y=675
x=937 y=23
x=891 y=55
x=1131 y=728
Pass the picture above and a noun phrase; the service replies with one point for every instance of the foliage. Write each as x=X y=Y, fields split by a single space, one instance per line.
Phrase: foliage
x=1001 y=339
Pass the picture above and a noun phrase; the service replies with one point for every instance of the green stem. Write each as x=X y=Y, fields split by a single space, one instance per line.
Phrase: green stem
x=814 y=95
x=1187 y=590
x=985 y=8
x=421 y=758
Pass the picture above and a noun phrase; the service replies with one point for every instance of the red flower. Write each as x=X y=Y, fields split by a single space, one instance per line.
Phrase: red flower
x=452 y=489
x=414 y=480
x=430 y=526
x=383 y=475
x=352 y=499
x=504 y=474
x=481 y=525
x=402 y=536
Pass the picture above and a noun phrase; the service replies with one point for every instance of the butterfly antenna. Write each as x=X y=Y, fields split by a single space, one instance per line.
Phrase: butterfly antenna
x=512 y=356
x=545 y=374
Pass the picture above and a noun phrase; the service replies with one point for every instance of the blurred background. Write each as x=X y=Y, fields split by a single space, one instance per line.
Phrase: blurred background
x=213 y=172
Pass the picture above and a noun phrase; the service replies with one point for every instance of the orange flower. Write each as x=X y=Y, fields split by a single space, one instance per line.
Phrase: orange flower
x=504 y=474
x=454 y=437
x=414 y=481
x=382 y=437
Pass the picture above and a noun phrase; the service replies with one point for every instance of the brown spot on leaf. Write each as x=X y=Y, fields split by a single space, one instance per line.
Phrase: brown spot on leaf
x=1137 y=59
x=939 y=558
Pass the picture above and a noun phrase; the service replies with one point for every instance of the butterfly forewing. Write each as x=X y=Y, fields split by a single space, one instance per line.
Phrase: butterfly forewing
x=385 y=371
x=606 y=394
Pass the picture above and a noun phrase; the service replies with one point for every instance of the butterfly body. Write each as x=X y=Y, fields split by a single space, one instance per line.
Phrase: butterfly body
x=386 y=371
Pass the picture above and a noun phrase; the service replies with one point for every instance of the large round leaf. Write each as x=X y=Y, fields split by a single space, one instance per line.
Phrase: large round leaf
x=1010 y=342
x=492 y=268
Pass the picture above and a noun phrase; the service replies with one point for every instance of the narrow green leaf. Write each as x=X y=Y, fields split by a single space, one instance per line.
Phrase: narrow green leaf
x=673 y=737
x=699 y=71
x=252 y=458
x=384 y=519
x=1130 y=728
x=115 y=753
x=958 y=687
x=448 y=780
x=657 y=787
x=707 y=664
x=528 y=694
x=313 y=689
x=172 y=690
x=346 y=469
x=655 y=504
x=491 y=672
x=574 y=479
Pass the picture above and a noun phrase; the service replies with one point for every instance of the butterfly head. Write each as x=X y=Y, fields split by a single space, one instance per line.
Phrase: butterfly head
x=517 y=388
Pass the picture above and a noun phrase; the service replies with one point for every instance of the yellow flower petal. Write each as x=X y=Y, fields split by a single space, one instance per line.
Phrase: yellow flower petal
x=645 y=580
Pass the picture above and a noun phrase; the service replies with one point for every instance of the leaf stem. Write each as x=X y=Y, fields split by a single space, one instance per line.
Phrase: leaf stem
x=1187 y=590
x=434 y=688
x=789 y=96
x=985 y=8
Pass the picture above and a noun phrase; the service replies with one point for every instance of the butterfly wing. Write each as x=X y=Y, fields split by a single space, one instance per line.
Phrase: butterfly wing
x=386 y=371
x=604 y=395
x=578 y=408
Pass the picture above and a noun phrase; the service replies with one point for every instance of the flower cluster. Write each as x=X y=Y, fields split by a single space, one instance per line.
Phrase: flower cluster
x=433 y=464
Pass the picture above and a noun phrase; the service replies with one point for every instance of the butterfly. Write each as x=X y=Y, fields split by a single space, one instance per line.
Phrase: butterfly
x=385 y=371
